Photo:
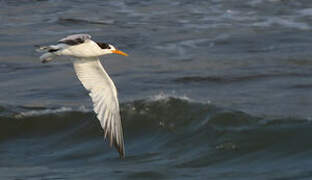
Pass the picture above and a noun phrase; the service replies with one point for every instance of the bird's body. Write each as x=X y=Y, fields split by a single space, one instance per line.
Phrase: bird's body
x=94 y=78
x=85 y=50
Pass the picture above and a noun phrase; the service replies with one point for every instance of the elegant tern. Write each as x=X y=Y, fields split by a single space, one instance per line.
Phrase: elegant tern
x=94 y=78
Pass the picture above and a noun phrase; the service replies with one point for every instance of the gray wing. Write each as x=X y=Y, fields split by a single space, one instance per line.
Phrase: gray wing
x=104 y=97
x=75 y=39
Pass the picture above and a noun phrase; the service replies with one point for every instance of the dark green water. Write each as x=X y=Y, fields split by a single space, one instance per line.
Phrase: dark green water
x=167 y=138
x=210 y=90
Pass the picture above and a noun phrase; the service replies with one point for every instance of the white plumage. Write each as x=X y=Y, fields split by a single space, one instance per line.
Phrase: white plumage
x=94 y=78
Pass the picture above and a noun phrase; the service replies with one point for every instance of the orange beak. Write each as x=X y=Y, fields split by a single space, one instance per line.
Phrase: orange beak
x=119 y=52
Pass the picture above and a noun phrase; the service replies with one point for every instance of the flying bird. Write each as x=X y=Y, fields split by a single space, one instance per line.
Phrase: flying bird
x=94 y=78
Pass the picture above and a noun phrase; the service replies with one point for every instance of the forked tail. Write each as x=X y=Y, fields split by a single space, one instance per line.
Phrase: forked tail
x=46 y=57
x=50 y=52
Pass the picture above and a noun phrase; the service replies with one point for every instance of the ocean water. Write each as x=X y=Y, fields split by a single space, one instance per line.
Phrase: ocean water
x=215 y=89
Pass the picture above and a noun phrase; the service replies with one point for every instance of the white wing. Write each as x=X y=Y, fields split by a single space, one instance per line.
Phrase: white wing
x=104 y=97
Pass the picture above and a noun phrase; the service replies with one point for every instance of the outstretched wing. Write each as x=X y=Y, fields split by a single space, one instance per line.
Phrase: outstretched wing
x=104 y=97
x=75 y=39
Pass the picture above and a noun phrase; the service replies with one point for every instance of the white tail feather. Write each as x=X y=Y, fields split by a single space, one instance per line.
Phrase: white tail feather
x=46 y=57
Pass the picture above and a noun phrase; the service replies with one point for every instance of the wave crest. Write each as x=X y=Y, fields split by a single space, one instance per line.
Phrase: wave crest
x=176 y=126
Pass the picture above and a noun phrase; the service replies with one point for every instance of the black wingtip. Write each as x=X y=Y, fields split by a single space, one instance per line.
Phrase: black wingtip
x=122 y=153
x=119 y=147
x=122 y=157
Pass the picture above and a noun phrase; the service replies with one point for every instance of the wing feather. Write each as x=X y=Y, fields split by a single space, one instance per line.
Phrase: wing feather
x=104 y=97
x=75 y=39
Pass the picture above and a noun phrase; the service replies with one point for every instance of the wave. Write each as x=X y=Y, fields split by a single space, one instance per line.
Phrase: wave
x=201 y=133
x=159 y=111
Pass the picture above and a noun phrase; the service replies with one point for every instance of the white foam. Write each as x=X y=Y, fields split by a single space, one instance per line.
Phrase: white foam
x=50 y=111
x=167 y=96
x=42 y=112
x=84 y=109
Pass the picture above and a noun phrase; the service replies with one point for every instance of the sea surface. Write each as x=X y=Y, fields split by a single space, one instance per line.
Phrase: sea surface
x=211 y=89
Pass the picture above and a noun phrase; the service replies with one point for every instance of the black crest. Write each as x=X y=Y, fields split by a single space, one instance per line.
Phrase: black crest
x=103 y=45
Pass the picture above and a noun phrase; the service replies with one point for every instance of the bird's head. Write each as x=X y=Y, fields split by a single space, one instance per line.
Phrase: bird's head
x=116 y=51
x=110 y=49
